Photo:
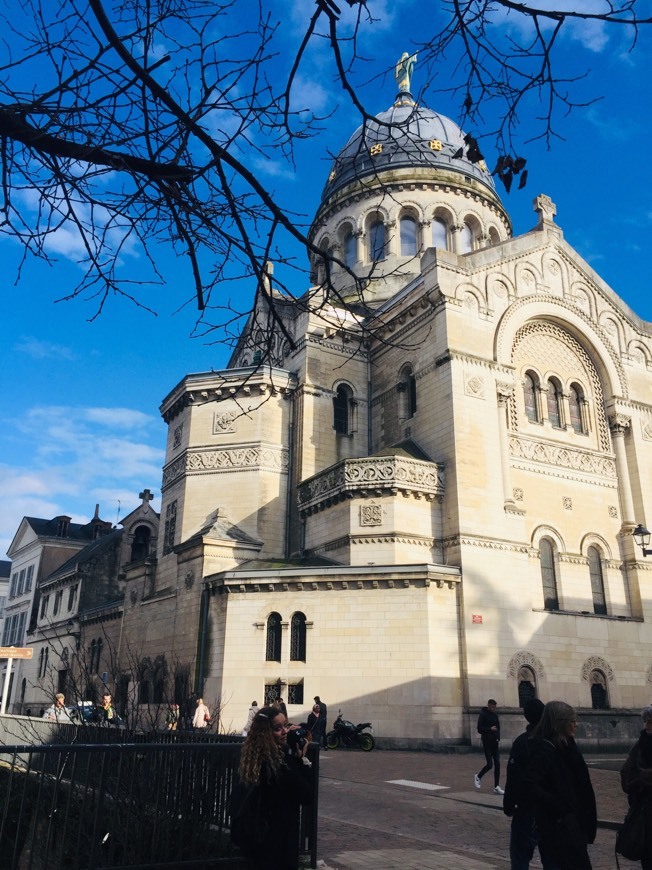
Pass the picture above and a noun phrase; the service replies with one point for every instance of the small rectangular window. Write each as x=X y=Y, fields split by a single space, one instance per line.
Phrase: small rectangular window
x=45 y=603
x=72 y=597
x=21 y=582
x=57 y=602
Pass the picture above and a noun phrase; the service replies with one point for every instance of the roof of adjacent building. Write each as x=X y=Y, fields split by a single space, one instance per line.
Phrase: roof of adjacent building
x=5 y=568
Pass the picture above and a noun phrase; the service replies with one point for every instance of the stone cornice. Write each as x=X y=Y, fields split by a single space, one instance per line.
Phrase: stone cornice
x=375 y=538
x=374 y=475
x=211 y=460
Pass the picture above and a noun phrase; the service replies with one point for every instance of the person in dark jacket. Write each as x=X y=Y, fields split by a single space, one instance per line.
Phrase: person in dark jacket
x=558 y=785
x=489 y=731
x=323 y=722
x=524 y=835
x=636 y=780
x=284 y=783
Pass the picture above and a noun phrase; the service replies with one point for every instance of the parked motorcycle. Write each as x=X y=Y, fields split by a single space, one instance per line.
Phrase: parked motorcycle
x=347 y=734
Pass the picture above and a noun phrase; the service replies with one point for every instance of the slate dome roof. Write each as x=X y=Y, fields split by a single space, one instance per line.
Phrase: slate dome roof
x=417 y=137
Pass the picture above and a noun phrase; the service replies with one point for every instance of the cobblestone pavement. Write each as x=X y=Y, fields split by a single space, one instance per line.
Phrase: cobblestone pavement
x=420 y=811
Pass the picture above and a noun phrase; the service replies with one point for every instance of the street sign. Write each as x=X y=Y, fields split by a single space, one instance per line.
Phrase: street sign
x=16 y=652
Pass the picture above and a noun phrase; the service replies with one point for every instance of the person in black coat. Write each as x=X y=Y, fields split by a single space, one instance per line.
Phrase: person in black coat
x=636 y=780
x=524 y=834
x=559 y=787
x=323 y=722
x=489 y=731
x=285 y=783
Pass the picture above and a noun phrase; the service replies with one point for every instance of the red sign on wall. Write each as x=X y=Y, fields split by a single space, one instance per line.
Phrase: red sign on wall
x=476 y=618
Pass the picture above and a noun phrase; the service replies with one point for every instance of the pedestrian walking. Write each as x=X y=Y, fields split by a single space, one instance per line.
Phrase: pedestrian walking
x=172 y=717
x=250 y=717
x=517 y=804
x=559 y=786
x=57 y=711
x=489 y=731
x=283 y=782
x=636 y=781
x=202 y=716
x=323 y=722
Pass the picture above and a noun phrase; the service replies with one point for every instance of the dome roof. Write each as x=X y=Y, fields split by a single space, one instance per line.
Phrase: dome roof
x=404 y=136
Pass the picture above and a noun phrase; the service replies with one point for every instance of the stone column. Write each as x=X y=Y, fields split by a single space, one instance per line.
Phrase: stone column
x=619 y=424
x=504 y=394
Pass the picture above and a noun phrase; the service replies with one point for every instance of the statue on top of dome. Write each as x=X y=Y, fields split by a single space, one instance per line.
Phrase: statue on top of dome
x=403 y=74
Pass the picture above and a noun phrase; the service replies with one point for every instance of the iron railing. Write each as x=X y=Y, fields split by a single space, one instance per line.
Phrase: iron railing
x=127 y=805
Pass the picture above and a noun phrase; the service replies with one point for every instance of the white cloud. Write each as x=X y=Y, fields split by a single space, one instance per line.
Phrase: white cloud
x=72 y=458
x=39 y=349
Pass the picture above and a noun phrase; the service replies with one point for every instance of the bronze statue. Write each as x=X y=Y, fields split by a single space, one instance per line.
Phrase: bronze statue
x=403 y=72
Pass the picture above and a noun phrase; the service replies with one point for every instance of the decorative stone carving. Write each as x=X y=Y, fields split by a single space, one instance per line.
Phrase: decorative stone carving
x=613 y=511
x=227 y=459
x=619 y=423
x=596 y=663
x=567 y=503
x=189 y=579
x=357 y=476
x=646 y=429
x=545 y=208
x=564 y=457
x=371 y=515
x=517 y=494
x=224 y=421
x=527 y=659
x=176 y=437
x=474 y=386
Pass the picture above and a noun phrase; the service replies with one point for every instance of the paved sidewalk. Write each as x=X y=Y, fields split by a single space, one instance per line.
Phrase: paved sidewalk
x=420 y=811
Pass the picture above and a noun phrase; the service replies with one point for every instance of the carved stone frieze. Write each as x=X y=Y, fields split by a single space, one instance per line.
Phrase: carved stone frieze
x=584 y=461
x=596 y=663
x=226 y=459
x=353 y=477
x=524 y=658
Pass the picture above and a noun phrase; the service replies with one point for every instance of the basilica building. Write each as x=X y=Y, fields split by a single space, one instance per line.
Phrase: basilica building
x=415 y=491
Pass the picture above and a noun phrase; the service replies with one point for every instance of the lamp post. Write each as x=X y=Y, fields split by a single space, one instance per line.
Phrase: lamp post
x=642 y=538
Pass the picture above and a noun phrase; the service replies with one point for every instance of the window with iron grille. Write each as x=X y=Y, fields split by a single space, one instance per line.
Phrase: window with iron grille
x=273 y=649
x=295 y=693
x=272 y=691
x=298 y=638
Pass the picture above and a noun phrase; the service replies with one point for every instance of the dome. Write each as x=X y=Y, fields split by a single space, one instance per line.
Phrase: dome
x=404 y=136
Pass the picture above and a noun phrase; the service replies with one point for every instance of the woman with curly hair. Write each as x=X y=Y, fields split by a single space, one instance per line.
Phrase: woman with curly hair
x=285 y=783
x=558 y=783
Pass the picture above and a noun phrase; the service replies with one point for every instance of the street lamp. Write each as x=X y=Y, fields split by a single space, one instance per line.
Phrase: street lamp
x=642 y=538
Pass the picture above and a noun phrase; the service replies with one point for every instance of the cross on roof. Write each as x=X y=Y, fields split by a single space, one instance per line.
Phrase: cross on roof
x=146 y=496
x=545 y=208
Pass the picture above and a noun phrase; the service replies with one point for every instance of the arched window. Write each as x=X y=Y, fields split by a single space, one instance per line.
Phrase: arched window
x=527 y=686
x=554 y=404
x=342 y=410
x=440 y=234
x=597 y=581
x=466 y=239
x=350 y=249
x=140 y=544
x=408 y=236
x=599 y=693
x=494 y=238
x=576 y=406
x=548 y=575
x=298 y=638
x=407 y=388
x=377 y=241
x=530 y=397
x=273 y=649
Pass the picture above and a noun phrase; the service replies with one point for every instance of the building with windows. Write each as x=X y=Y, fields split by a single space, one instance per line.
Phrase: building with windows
x=426 y=497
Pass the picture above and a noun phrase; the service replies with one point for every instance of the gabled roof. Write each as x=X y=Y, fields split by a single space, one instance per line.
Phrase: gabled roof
x=408 y=449
x=50 y=529
x=219 y=528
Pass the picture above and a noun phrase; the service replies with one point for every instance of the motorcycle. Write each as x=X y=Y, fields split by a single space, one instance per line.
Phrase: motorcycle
x=347 y=734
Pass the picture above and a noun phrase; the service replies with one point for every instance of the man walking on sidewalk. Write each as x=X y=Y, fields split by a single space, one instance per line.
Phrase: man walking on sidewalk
x=489 y=731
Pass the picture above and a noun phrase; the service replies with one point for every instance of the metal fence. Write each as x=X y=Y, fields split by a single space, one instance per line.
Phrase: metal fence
x=130 y=805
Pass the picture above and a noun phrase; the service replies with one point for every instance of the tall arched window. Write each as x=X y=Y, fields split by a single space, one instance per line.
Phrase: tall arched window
x=377 y=241
x=273 y=649
x=554 y=403
x=548 y=575
x=576 y=408
x=466 y=239
x=599 y=693
x=530 y=398
x=439 y=234
x=597 y=581
x=407 y=388
x=350 y=249
x=408 y=236
x=298 y=638
x=342 y=410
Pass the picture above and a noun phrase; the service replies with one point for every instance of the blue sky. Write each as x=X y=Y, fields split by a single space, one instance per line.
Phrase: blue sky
x=80 y=422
